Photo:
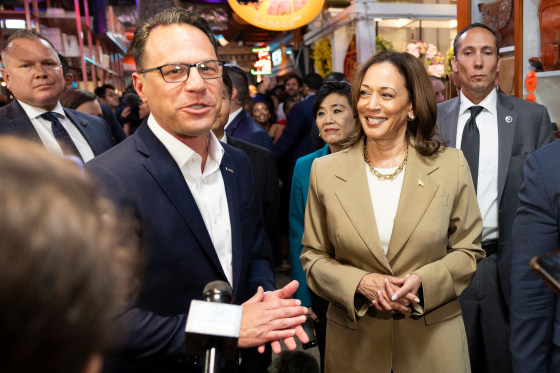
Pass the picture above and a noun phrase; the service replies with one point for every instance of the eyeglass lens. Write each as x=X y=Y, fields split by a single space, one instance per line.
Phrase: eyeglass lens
x=180 y=72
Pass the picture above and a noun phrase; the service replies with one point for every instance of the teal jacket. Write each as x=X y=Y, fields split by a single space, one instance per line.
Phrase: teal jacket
x=298 y=199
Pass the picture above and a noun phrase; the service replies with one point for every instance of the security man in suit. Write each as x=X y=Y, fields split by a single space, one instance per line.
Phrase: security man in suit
x=195 y=199
x=495 y=132
x=33 y=72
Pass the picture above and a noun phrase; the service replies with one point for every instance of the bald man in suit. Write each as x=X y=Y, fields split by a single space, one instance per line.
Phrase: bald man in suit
x=33 y=72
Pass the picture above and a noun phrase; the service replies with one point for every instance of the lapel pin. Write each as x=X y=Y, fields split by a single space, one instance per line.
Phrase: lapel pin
x=229 y=170
x=83 y=123
x=420 y=182
x=509 y=119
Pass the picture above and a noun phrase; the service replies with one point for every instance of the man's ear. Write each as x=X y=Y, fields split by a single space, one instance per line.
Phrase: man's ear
x=139 y=86
x=6 y=77
x=68 y=80
x=454 y=64
x=233 y=94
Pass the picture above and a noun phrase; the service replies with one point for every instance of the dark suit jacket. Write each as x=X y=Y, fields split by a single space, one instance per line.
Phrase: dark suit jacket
x=113 y=122
x=528 y=130
x=266 y=177
x=535 y=309
x=140 y=175
x=295 y=140
x=14 y=121
x=245 y=128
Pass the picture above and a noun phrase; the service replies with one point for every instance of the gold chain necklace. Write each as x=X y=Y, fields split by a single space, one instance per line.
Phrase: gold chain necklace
x=381 y=176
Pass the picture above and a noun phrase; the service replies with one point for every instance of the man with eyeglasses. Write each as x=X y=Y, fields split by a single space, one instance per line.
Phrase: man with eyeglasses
x=32 y=71
x=195 y=199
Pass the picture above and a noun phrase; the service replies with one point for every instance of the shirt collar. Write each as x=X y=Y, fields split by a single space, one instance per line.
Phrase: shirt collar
x=488 y=103
x=34 y=112
x=180 y=152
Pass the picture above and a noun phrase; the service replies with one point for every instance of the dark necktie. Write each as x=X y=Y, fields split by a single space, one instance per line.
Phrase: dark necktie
x=61 y=135
x=470 y=143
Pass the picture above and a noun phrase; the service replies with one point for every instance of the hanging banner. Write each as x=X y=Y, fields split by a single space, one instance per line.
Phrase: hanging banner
x=351 y=58
x=277 y=15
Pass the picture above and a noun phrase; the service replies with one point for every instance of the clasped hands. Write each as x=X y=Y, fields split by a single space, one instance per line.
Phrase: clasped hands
x=272 y=317
x=390 y=294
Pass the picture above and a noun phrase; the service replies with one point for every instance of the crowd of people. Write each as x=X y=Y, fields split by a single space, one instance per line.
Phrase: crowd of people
x=394 y=211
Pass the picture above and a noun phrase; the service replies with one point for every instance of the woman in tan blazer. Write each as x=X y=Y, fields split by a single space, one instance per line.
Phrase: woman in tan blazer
x=392 y=231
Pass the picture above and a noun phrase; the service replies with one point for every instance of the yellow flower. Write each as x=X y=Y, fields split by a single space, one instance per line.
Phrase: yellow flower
x=322 y=56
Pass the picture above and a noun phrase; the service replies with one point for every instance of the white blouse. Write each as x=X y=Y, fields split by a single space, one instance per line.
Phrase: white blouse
x=385 y=195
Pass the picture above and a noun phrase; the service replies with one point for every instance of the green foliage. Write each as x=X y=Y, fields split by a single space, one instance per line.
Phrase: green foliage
x=383 y=45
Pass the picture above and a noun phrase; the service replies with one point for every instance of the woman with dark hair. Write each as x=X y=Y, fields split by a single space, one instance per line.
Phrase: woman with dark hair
x=263 y=113
x=392 y=230
x=87 y=102
x=83 y=101
x=332 y=109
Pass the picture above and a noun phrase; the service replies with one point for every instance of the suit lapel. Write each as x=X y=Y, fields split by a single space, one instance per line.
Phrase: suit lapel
x=82 y=126
x=354 y=197
x=228 y=175
x=163 y=168
x=20 y=123
x=418 y=191
x=448 y=122
x=506 y=132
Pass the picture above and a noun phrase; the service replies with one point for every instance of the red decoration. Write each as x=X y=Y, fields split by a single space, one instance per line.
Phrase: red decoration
x=531 y=85
x=351 y=58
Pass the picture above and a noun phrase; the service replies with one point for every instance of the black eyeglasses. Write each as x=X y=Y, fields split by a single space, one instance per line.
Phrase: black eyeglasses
x=179 y=72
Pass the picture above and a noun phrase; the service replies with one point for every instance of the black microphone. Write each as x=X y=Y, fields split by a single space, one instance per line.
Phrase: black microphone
x=217 y=291
x=213 y=326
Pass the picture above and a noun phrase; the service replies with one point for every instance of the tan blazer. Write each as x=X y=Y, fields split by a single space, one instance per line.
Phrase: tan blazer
x=436 y=234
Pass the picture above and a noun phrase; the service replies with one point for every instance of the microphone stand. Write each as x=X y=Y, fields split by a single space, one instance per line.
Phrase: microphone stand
x=212 y=359
x=219 y=292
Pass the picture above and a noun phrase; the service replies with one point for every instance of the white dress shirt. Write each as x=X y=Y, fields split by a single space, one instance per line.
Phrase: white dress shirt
x=207 y=189
x=487 y=188
x=385 y=196
x=232 y=117
x=44 y=129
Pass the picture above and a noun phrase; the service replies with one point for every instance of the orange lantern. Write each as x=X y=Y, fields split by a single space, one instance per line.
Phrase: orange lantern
x=277 y=15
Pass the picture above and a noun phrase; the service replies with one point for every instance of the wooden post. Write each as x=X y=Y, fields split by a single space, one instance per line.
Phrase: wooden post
x=463 y=14
x=518 y=77
x=81 y=43
x=36 y=15
x=90 y=46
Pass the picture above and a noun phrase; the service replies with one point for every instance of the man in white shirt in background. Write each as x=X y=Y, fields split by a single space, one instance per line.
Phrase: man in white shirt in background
x=495 y=132
x=33 y=72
